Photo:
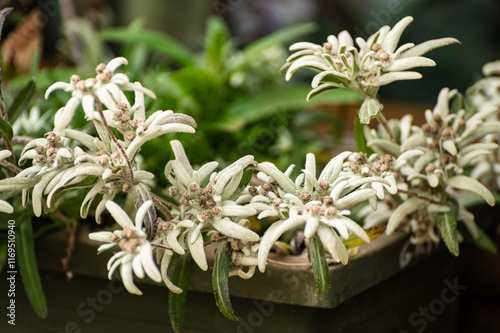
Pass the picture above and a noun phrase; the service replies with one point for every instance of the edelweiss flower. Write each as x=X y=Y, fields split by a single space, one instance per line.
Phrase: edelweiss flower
x=320 y=203
x=135 y=255
x=376 y=63
x=106 y=87
x=208 y=208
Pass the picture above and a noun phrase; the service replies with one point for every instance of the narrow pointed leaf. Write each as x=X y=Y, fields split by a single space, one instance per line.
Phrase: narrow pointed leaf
x=320 y=267
x=28 y=268
x=220 y=280
x=473 y=185
x=176 y=301
x=447 y=223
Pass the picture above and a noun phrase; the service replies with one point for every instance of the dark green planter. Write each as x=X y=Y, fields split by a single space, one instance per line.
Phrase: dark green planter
x=373 y=293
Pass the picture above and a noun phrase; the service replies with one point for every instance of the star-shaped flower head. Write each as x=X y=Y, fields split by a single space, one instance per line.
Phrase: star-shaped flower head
x=205 y=207
x=319 y=203
x=376 y=62
x=106 y=87
x=136 y=254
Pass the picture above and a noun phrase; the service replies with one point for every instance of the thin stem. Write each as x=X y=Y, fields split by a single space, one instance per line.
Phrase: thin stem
x=18 y=140
x=115 y=140
x=162 y=208
x=385 y=124
x=165 y=202
x=419 y=196
x=9 y=166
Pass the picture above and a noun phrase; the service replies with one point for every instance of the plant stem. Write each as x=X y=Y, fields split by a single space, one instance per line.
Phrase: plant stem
x=416 y=195
x=115 y=140
x=10 y=166
x=385 y=124
x=162 y=208
x=165 y=202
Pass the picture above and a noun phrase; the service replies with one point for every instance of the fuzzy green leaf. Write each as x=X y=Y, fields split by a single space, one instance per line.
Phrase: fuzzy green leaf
x=447 y=223
x=220 y=280
x=320 y=267
x=6 y=130
x=360 y=138
x=176 y=301
x=26 y=261
x=470 y=184
x=15 y=183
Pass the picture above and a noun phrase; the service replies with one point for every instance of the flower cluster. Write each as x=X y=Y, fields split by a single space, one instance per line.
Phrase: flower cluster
x=447 y=145
x=376 y=62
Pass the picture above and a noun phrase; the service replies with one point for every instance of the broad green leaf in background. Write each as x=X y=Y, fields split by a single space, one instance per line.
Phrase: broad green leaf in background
x=154 y=40
x=176 y=302
x=217 y=44
x=220 y=280
x=319 y=266
x=26 y=260
x=257 y=107
x=280 y=36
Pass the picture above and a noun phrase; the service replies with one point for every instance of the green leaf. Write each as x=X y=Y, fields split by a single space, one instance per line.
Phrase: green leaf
x=6 y=130
x=280 y=36
x=220 y=280
x=26 y=261
x=457 y=103
x=483 y=241
x=154 y=40
x=447 y=223
x=180 y=278
x=21 y=100
x=265 y=104
x=320 y=267
x=217 y=43
x=360 y=138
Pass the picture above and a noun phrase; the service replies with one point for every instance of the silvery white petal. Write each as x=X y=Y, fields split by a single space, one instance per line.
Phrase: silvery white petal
x=5 y=207
x=88 y=106
x=173 y=242
x=56 y=86
x=119 y=215
x=271 y=170
x=406 y=208
x=236 y=210
x=356 y=228
x=392 y=38
x=105 y=98
x=148 y=264
x=390 y=77
x=64 y=115
x=409 y=63
x=311 y=227
x=470 y=184
x=197 y=251
x=354 y=198
x=141 y=213
x=114 y=63
x=137 y=267
x=100 y=236
x=128 y=278
x=427 y=46
x=234 y=230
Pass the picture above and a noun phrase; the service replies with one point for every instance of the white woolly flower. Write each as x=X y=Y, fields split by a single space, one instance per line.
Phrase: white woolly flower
x=318 y=203
x=135 y=255
x=375 y=63
x=106 y=87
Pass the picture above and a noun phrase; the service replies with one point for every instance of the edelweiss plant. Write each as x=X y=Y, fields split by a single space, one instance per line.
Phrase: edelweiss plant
x=410 y=177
